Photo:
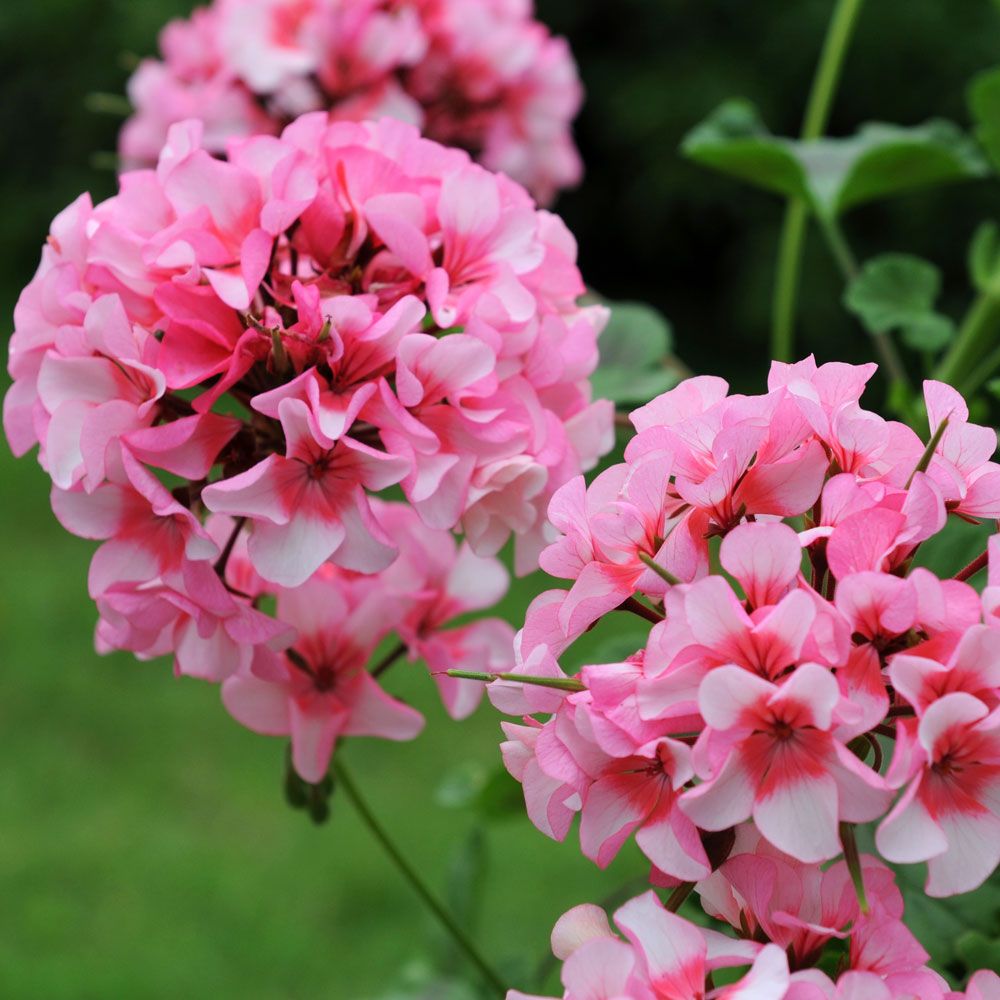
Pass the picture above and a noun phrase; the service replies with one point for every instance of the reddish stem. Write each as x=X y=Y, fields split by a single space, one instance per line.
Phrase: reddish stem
x=974 y=567
x=640 y=609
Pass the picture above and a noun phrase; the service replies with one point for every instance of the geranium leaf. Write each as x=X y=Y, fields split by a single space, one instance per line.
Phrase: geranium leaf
x=834 y=175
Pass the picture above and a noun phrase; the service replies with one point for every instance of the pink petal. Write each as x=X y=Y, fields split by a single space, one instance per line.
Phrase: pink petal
x=764 y=557
x=578 y=926
x=798 y=812
x=672 y=948
x=376 y=713
x=258 y=705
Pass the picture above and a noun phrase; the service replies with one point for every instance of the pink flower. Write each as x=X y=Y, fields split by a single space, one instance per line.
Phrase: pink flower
x=984 y=985
x=961 y=465
x=436 y=582
x=949 y=812
x=664 y=957
x=310 y=504
x=611 y=533
x=322 y=692
x=768 y=752
x=638 y=794
x=800 y=907
x=212 y=632
x=487 y=78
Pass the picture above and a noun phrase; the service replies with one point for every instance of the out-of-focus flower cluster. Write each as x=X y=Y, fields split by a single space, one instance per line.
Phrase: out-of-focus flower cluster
x=801 y=675
x=229 y=363
x=483 y=76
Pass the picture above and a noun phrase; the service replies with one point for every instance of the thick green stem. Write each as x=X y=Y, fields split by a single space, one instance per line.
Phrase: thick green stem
x=446 y=920
x=978 y=333
x=824 y=87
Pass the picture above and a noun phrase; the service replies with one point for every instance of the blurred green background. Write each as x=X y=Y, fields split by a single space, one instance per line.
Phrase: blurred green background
x=145 y=849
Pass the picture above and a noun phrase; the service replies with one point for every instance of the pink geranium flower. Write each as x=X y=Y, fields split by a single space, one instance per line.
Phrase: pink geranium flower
x=322 y=692
x=482 y=77
x=768 y=752
x=663 y=957
x=948 y=763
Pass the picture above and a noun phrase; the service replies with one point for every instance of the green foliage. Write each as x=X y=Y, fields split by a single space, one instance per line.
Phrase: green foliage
x=984 y=258
x=948 y=551
x=977 y=951
x=466 y=879
x=834 y=175
x=897 y=292
x=490 y=793
x=960 y=932
x=984 y=107
x=634 y=348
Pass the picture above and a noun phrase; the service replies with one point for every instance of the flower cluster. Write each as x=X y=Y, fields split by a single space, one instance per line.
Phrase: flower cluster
x=770 y=543
x=228 y=361
x=785 y=912
x=482 y=76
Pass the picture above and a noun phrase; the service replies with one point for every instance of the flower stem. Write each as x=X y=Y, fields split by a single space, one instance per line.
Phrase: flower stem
x=388 y=660
x=445 y=919
x=559 y=683
x=664 y=574
x=223 y=560
x=853 y=859
x=974 y=567
x=978 y=331
x=642 y=610
x=824 y=87
x=925 y=458
x=848 y=266
x=676 y=898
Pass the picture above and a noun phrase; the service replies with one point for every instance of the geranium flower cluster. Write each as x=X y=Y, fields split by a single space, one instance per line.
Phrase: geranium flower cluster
x=481 y=75
x=802 y=674
x=784 y=914
x=228 y=362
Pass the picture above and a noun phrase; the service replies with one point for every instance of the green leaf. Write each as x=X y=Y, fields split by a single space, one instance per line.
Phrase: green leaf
x=942 y=924
x=491 y=793
x=634 y=347
x=977 y=951
x=467 y=878
x=948 y=551
x=984 y=258
x=461 y=785
x=501 y=797
x=983 y=98
x=834 y=175
x=897 y=292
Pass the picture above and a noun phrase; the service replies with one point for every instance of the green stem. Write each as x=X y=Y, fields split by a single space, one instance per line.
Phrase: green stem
x=559 y=683
x=848 y=266
x=664 y=574
x=840 y=249
x=419 y=886
x=853 y=859
x=981 y=375
x=978 y=331
x=824 y=87
x=931 y=447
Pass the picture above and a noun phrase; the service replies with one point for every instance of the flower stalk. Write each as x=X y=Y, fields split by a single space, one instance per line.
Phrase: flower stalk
x=824 y=88
x=409 y=873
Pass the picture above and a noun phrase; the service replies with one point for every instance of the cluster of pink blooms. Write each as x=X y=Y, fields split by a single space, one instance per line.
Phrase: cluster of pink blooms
x=223 y=366
x=801 y=675
x=784 y=914
x=481 y=75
